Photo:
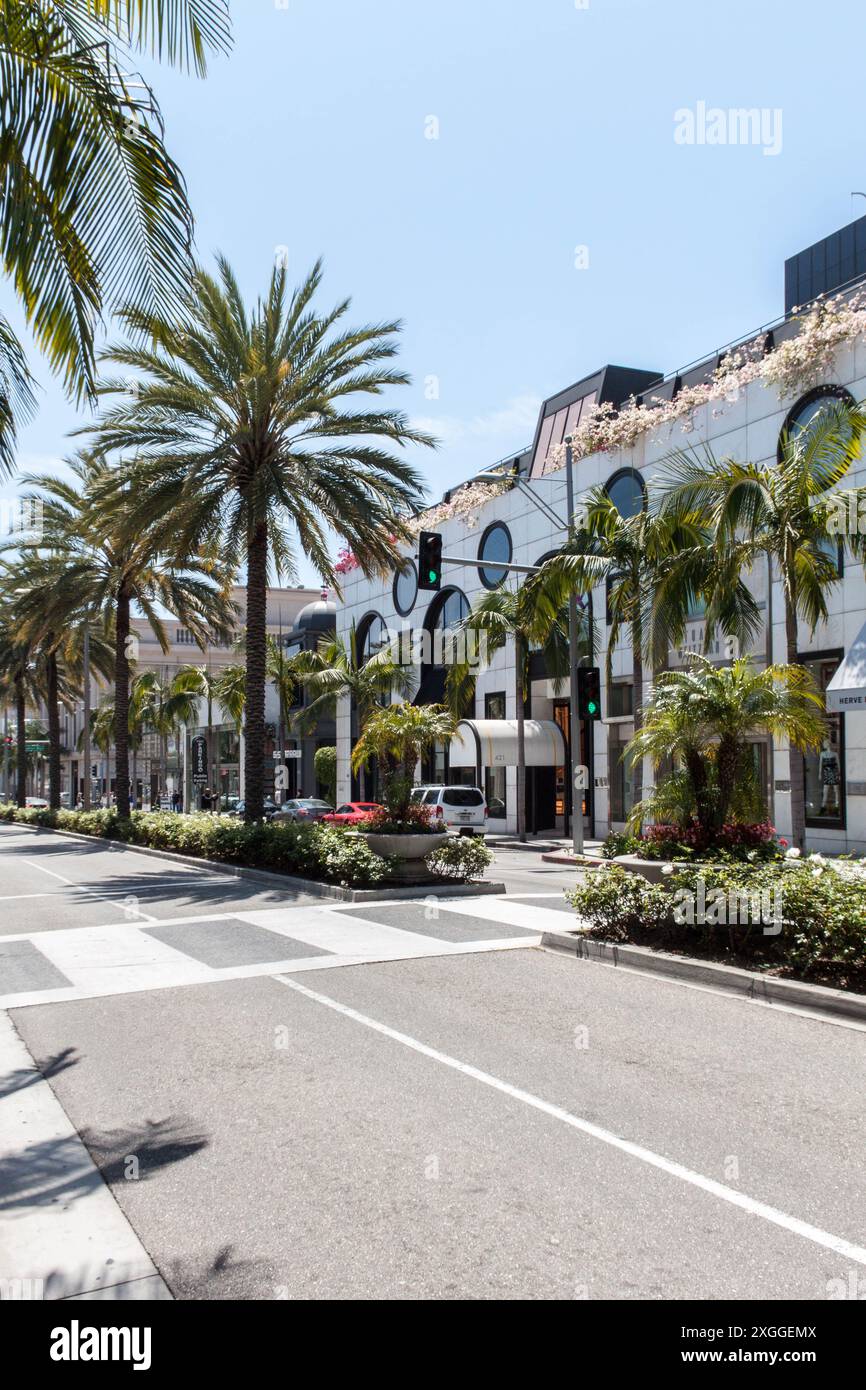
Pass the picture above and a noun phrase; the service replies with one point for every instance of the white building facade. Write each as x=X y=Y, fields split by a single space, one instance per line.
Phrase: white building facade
x=736 y=401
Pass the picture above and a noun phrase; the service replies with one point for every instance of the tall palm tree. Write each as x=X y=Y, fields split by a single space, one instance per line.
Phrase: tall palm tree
x=50 y=616
x=504 y=615
x=114 y=561
x=93 y=210
x=244 y=437
x=653 y=568
x=703 y=714
x=16 y=680
x=784 y=511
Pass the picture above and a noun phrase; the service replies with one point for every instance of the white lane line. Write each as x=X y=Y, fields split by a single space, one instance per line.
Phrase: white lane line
x=82 y=888
x=837 y=1244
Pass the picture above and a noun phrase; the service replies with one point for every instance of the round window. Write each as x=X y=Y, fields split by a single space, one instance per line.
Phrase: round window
x=495 y=545
x=405 y=588
x=625 y=491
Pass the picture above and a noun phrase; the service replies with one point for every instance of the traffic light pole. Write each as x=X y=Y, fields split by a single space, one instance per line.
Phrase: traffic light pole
x=573 y=720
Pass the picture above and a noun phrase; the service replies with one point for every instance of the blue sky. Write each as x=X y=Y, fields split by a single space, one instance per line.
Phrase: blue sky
x=556 y=126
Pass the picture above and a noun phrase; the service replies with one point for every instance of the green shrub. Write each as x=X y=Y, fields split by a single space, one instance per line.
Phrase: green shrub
x=806 y=916
x=314 y=851
x=461 y=857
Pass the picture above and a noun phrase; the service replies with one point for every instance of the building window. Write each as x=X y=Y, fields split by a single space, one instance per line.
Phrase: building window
x=495 y=780
x=495 y=545
x=627 y=492
x=808 y=408
x=620 y=778
x=449 y=611
x=405 y=588
x=372 y=636
x=620 y=699
x=825 y=766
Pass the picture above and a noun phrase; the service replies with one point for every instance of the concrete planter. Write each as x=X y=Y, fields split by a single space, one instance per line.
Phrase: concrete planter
x=408 y=847
x=651 y=869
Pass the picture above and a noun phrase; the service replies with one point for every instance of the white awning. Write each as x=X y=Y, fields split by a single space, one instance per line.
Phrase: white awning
x=493 y=743
x=847 y=689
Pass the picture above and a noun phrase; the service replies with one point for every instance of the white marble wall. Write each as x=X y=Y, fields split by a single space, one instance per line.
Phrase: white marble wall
x=747 y=428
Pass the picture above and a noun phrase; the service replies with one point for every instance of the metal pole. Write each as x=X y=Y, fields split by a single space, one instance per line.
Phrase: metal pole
x=87 y=769
x=573 y=721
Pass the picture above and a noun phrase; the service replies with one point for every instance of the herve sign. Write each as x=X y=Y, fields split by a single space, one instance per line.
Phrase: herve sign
x=77 y=1343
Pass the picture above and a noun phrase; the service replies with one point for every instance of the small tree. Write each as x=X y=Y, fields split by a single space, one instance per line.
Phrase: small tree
x=325 y=763
x=702 y=716
x=398 y=735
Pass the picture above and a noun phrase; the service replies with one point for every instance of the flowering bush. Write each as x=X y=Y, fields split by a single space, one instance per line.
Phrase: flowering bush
x=414 y=820
x=461 y=857
x=733 y=841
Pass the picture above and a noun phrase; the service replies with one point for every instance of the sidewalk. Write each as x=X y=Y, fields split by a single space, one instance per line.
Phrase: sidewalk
x=542 y=844
x=62 y=1233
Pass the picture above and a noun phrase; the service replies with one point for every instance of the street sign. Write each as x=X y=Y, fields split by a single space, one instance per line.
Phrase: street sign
x=198 y=754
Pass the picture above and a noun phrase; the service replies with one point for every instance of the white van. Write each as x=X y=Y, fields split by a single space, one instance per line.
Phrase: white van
x=463 y=809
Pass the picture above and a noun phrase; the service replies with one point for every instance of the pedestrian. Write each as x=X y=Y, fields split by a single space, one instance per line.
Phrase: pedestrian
x=177 y=801
x=206 y=799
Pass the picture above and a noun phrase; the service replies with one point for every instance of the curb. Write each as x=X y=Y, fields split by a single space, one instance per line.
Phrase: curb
x=563 y=857
x=732 y=979
x=272 y=879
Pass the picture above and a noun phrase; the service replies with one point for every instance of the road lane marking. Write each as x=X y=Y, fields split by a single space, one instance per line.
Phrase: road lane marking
x=84 y=888
x=793 y=1224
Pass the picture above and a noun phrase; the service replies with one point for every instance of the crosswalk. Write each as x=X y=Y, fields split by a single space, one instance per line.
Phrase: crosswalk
x=137 y=952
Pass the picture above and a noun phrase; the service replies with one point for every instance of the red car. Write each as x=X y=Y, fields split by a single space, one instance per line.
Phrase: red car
x=351 y=812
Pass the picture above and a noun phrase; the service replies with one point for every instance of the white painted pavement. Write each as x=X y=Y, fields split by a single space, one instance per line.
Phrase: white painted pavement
x=123 y=957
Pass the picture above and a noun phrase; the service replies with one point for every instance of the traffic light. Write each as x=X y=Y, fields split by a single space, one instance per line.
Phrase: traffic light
x=588 y=692
x=429 y=560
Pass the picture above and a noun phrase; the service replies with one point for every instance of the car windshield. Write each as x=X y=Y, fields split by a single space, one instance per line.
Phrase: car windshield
x=430 y=798
x=463 y=796
x=308 y=801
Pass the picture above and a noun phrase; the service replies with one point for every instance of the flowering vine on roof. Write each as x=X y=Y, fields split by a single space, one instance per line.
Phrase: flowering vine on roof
x=793 y=367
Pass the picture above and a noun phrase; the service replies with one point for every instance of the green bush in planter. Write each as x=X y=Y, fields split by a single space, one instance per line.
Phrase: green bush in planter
x=461 y=857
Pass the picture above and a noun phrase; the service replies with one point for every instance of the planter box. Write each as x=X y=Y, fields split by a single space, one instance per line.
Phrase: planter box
x=410 y=847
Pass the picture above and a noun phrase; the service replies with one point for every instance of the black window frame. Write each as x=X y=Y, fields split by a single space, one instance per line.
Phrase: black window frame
x=400 y=570
x=839 y=822
x=494 y=526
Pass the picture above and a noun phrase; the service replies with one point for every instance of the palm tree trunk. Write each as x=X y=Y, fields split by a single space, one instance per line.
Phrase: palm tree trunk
x=521 y=739
x=256 y=663
x=795 y=758
x=21 y=741
x=121 y=704
x=53 y=732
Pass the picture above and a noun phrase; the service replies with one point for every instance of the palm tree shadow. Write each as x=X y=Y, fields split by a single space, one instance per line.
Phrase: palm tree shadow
x=138 y=1152
x=22 y=1077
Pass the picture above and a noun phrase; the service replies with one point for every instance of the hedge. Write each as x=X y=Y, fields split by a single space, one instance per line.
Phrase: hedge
x=315 y=851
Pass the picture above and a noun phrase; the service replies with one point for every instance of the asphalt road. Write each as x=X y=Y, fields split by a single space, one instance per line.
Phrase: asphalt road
x=483 y=1120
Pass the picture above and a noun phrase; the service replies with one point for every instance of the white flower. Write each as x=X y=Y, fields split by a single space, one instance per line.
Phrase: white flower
x=667 y=868
x=816 y=873
x=792 y=853
x=816 y=859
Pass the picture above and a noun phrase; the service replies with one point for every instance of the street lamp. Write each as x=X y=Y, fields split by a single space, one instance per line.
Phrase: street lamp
x=577 y=777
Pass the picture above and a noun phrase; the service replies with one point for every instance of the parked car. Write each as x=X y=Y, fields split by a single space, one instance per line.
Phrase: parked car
x=36 y=803
x=351 y=812
x=459 y=808
x=302 y=810
x=237 y=809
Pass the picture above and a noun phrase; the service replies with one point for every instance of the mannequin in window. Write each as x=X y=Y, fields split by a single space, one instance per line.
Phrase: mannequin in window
x=828 y=776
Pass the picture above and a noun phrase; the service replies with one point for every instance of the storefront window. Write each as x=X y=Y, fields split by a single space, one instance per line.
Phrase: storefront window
x=825 y=766
x=620 y=777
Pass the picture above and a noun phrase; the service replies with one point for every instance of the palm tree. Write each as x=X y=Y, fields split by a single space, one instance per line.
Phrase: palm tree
x=94 y=209
x=115 y=560
x=654 y=566
x=50 y=618
x=242 y=439
x=783 y=511
x=161 y=707
x=397 y=736
x=515 y=615
x=701 y=716
x=16 y=681
x=336 y=669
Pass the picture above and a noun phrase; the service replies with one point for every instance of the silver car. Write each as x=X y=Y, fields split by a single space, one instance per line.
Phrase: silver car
x=302 y=811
